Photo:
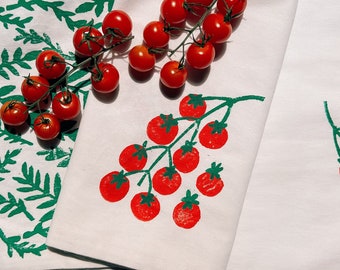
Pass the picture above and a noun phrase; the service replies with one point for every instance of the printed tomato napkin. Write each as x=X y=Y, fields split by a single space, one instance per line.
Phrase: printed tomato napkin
x=291 y=217
x=157 y=182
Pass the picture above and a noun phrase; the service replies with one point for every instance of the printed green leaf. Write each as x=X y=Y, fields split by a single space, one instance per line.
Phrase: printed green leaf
x=9 y=19
x=8 y=160
x=47 y=204
x=16 y=206
x=7 y=89
x=85 y=7
x=47 y=216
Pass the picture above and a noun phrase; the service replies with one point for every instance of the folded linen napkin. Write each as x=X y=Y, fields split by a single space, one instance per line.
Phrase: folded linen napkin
x=118 y=211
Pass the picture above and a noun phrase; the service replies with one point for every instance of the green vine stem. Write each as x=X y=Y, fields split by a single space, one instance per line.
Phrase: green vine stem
x=335 y=129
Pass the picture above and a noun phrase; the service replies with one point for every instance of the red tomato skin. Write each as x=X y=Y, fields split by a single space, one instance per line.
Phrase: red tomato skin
x=186 y=162
x=192 y=109
x=200 y=56
x=186 y=218
x=155 y=36
x=87 y=41
x=66 y=106
x=46 y=126
x=50 y=64
x=144 y=211
x=216 y=29
x=35 y=88
x=207 y=186
x=14 y=113
x=173 y=11
x=199 y=6
x=165 y=183
x=141 y=59
x=133 y=157
x=172 y=75
x=158 y=132
x=109 y=80
x=212 y=140
x=237 y=7
x=110 y=191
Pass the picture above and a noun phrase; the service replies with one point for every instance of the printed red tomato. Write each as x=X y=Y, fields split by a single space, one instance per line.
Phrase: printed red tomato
x=216 y=29
x=192 y=106
x=200 y=55
x=213 y=135
x=50 y=64
x=173 y=11
x=114 y=186
x=141 y=59
x=133 y=157
x=13 y=113
x=66 y=105
x=173 y=74
x=35 y=88
x=187 y=213
x=155 y=35
x=105 y=78
x=210 y=183
x=166 y=180
x=46 y=126
x=87 y=41
x=145 y=206
x=116 y=26
x=162 y=129
x=186 y=158
x=233 y=7
x=198 y=7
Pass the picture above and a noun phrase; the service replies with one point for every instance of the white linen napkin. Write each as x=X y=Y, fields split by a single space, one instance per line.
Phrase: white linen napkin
x=291 y=217
x=247 y=70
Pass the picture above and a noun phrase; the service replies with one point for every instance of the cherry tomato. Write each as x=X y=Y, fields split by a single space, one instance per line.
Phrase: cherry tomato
x=213 y=135
x=50 y=64
x=105 y=78
x=88 y=41
x=173 y=74
x=162 y=129
x=35 y=88
x=133 y=157
x=66 y=105
x=155 y=35
x=210 y=183
x=198 y=7
x=166 y=180
x=186 y=158
x=233 y=7
x=145 y=206
x=216 y=29
x=200 y=55
x=114 y=186
x=116 y=26
x=192 y=106
x=13 y=113
x=187 y=213
x=173 y=11
x=46 y=126
x=141 y=59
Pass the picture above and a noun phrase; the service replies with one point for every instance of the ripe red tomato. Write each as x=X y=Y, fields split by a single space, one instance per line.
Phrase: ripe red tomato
x=186 y=158
x=233 y=7
x=133 y=157
x=145 y=206
x=114 y=186
x=66 y=105
x=213 y=135
x=46 y=126
x=88 y=41
x=173 y=11
x=187 y=213
x=210 y=183
x=173 y=74
x=13 y=113
x=216 y=29
x=155 y=35
x=200 y=54
x=166 y=180
x=116 y=26
x=50 y=64
x=105 y=78
x=141 y=59
x=198 y=7
x=162 y=129
x=34 y=88
x=192 y=106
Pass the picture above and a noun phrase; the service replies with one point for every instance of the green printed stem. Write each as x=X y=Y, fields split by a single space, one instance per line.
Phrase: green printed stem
x=335 y=129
